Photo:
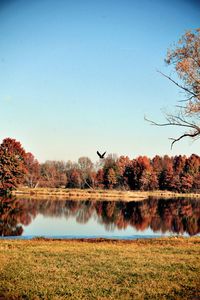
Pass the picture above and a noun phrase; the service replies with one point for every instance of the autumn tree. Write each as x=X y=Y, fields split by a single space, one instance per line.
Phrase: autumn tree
x=33 y=171
x=186 y=181
x=100 y=179
x=130 y=175
x=185 y=58
x=53 y=174
x=157 y=164
x=111 y=178
x=167 y=180
x=179 y=164
x=110 y=170
x=196 y=183
x=12 y=164
x=140 y=174
x=191 y=174
x=121 y=163
x=146 y=176
x=86 y=168
x=74 y=178
x=192 y=165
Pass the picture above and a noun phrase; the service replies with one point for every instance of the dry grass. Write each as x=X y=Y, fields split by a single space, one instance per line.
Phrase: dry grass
x=90 y=194
x=99 y=269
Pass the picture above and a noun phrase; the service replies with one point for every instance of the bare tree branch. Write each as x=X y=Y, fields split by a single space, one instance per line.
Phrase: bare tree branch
x=191 y=135
x=181 y=122
x=185 y=58
x=174 y=121
x=176 y=83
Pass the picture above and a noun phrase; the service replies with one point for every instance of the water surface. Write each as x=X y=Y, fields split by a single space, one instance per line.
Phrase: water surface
x=26 y=218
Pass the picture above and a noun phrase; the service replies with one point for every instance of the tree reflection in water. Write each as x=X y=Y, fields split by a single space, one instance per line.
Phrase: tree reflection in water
x=172 y=215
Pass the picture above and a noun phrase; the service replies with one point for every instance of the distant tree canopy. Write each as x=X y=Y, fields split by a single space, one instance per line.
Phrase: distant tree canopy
x=179 y=173
x=185 y=58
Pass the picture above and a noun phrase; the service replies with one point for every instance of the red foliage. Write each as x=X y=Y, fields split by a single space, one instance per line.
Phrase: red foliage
x=12 y=164
x=74 y=179
x=100 y=178
x=53 y=174
x=33 y=170
x=177 y=173
x=111 y=178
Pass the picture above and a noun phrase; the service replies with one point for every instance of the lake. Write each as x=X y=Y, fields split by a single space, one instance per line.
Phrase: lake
x=27 y=218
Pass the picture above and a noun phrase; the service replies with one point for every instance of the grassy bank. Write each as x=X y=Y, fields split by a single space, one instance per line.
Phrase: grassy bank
x=91 y=194
x=143 y=269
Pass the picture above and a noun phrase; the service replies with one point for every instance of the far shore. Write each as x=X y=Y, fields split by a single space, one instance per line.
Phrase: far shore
x=94 y=194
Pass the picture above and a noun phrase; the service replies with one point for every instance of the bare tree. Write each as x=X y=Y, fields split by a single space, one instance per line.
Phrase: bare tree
x=185 y=58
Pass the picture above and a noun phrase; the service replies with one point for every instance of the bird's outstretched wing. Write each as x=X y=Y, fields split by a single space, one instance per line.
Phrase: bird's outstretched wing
x=99 y=154
x=103 y=154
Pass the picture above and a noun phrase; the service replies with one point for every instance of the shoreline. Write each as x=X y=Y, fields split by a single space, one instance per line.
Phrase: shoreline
x=107 y=240
x=89 y=194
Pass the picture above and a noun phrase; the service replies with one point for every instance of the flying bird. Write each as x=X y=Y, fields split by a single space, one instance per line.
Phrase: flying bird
x=101 y=155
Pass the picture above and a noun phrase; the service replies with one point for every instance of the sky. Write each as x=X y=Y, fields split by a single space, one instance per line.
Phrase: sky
x=79 y=76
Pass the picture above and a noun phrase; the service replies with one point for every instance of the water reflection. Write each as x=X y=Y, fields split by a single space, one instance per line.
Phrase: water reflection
x=173 y=215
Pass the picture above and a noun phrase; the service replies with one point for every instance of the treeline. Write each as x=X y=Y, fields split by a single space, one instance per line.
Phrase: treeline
x=179 y=173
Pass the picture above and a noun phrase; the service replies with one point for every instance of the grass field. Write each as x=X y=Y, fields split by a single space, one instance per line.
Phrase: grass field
x=167 y=268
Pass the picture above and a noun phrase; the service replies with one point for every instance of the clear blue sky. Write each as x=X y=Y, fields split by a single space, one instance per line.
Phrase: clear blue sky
x=77 y=76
